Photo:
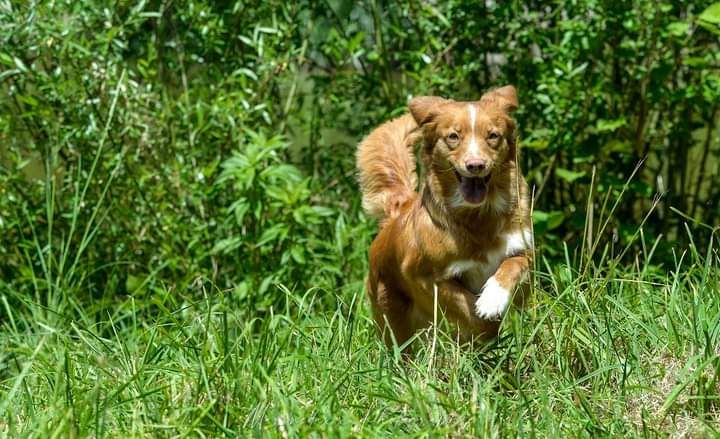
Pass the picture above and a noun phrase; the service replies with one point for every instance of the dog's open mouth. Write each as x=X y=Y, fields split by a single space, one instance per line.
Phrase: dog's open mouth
x=473 y=189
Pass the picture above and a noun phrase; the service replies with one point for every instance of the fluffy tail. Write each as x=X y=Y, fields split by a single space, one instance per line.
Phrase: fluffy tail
x=386 y=163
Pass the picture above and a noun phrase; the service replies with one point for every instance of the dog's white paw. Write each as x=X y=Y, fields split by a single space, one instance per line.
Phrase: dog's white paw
x=493 y=300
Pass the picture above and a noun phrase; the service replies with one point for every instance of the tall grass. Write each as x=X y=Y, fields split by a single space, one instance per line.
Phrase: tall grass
x=604 y=348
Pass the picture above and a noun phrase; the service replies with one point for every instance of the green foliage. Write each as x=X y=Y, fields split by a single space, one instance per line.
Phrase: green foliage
x=603 y=87
x=275 y=228
x=177 y=176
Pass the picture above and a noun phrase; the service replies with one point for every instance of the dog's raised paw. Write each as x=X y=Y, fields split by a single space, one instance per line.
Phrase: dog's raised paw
x=493 y=300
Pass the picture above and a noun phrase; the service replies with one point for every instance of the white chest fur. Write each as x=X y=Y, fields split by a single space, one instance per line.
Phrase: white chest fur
x=474 y=273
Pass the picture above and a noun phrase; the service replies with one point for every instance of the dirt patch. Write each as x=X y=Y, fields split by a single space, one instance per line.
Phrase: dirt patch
x=680 y=418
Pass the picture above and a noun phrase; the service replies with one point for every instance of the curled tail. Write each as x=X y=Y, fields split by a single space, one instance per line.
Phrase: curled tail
x=386 y=163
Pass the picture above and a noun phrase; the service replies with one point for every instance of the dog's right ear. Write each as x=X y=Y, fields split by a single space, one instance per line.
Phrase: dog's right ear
x=424 y=108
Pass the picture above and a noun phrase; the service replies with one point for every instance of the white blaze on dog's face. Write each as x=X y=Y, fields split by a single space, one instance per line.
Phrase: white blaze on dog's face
x=467 y=142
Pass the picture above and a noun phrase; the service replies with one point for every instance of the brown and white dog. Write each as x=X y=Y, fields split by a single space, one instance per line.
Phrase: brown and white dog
x=466 y=236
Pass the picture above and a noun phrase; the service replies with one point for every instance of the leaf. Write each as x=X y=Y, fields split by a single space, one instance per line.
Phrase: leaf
x=271 y=234
x=679 y=28
x=355 y=42
x=267 y=30
x=298 y=254
x=150 y=14
x=239 y=208
x=31 y=101
x=710 y=27
x=616 y=145
x=536 y=144
x=577 y=70
x=569 y=175
x=132 y=283
x=538 y=139
x=711 y=14
x=226 y=245
x=247 y=72
x=543 y=99
x=265 y=285
x=605 y=125
x=548 y=220
x=696 y=61
x=323 y=211
x=300 y=214
x=20 y=65
x=241 y=290
x=288 y=173
x=6 y=59
x=278 y=193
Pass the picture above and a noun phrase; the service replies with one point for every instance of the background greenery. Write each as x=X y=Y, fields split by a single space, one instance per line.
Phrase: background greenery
x=182 y=249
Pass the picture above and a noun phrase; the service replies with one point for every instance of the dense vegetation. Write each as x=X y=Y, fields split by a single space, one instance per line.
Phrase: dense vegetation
x=182 y=248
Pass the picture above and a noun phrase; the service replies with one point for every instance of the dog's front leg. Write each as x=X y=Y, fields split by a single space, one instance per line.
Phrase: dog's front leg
x=499 y=288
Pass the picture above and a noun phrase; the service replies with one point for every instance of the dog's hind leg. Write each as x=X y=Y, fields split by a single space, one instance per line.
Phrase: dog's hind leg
x=392 y=312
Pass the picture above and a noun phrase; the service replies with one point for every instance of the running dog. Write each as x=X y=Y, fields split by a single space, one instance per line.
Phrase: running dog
x=464 y=239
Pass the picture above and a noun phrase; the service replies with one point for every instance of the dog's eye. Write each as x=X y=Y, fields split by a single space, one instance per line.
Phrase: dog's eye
x=494 y=135
x=453 y=137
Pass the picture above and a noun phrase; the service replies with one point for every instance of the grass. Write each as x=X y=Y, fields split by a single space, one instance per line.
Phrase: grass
x=604 y=349
x=611 y=351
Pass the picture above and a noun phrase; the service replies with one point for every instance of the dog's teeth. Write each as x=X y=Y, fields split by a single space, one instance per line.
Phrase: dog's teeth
x=493 y=300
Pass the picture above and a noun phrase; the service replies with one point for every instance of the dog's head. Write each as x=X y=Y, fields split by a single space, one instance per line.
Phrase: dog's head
x=468 y=145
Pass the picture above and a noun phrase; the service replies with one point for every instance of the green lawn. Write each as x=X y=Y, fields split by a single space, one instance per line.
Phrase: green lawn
x=599 y=351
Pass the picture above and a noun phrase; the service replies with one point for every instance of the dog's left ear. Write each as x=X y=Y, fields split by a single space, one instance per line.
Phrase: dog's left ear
x=504 y=97
x=424 y=108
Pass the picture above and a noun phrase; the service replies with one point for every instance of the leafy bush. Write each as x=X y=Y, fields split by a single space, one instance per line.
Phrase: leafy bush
x=274 y=227
x=162 y=142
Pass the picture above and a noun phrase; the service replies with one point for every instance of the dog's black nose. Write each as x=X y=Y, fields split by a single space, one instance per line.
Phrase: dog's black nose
x=475 y=166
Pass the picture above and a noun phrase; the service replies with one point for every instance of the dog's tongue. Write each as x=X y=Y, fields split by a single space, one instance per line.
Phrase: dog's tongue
x=473 y=189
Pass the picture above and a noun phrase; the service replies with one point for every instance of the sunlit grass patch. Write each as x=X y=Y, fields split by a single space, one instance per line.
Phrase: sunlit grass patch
x=631 y=360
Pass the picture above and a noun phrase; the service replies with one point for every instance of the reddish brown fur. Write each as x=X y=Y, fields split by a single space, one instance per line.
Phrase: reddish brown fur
x=423 y=236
